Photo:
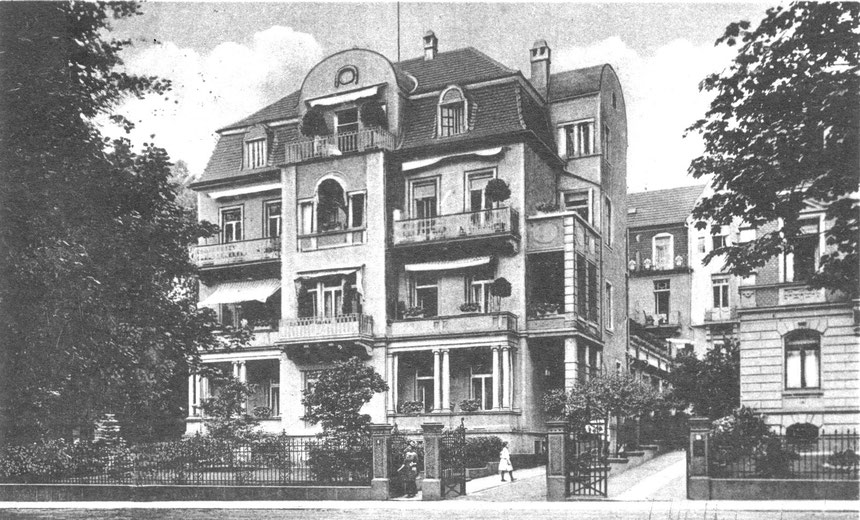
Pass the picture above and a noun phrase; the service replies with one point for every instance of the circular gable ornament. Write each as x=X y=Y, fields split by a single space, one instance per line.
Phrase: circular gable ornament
x=346 y=76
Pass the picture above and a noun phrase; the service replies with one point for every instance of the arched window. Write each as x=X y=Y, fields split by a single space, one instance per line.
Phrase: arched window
x=331 y=206
x=452 y=112
x=802 y=360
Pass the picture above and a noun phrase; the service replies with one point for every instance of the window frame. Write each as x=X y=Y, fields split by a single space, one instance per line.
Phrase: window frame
x=671 y=249
x=350 y=216
x=415 y=287
x=480 y=282
x=590 y=203
x=721 y=283
x=787 y=264
x=259 y=159
x=241 y=221
x=436 y=180
x=468 y=176
x=486 y=382
x=457 y=127
x=609 y=311
x=668 y=291
x=571 y=144
x=608 y=219
x=300 y=217
x=267 y=218
x=797 y=340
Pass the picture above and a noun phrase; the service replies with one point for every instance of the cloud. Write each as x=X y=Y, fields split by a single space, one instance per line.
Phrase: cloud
x=663 y=99
x=216 y=88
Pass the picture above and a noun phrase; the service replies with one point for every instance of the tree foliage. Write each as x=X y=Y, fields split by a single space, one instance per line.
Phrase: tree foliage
x=711 y=386
x=782 y=131
x=97 y=300
x=225 y=414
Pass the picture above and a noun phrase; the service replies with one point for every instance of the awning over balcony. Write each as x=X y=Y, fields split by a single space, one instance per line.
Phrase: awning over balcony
x=448 y=265
x=245 y=190
x=421 y=163
x=325 y=273
x=344 y=98
x=244 y=291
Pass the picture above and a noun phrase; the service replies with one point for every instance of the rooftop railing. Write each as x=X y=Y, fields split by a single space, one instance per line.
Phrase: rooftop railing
x=337 y=145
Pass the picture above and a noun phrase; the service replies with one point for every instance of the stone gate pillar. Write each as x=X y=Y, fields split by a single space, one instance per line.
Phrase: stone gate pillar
x=431 y=486
x=556 y=473
x=379 y=434
x=698 y=482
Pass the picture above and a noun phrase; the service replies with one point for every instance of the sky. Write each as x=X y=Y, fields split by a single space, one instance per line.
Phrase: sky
x=228 y=60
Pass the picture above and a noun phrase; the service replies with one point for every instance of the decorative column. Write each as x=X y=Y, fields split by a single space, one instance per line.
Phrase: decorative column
x=431 y=486
x=571 y=364
x=506 y=377
x=587 y=358
x=379 y=434
x=446 y=381
x=437 y=381
x=698 y=481
x=556 y=472
x=495 y=353
x=283 y=387
x=391 y=359
x=192 y=394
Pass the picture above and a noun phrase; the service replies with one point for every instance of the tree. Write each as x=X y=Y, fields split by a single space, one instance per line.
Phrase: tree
x=711 y=386
x=781 y=132
x=98 y=297
x=225 y=414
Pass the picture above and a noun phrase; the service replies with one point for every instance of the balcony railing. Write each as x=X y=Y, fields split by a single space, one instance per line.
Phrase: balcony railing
x=331 y=239
x=241 y=252
x=484 y=223
x=340 y=144
x=489 y=323
x=726 y=314
x=672 y=319
x=316 y=329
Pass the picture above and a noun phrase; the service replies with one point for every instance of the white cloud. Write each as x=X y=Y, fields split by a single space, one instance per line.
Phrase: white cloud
x=663 y=99
x=216 y=88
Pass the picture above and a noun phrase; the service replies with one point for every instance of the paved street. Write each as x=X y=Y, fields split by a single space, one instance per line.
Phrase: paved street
x=653 y=491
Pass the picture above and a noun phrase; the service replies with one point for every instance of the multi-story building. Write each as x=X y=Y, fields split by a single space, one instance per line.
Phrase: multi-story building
x=799 y=346
x=379 y=237
x=660 y=262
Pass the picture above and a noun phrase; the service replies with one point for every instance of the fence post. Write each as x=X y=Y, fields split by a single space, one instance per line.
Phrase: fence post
x=431 y=486
x=556 y=471
x=379 y=434
x=698 y=450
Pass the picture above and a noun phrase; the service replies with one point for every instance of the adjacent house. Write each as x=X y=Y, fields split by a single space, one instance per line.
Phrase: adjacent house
x=458 y=226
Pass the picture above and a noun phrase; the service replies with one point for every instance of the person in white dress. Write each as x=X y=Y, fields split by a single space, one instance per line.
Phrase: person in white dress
x=505 y=462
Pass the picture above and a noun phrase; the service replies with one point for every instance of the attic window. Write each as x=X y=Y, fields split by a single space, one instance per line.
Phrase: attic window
x=452 y=112
x=256 y=154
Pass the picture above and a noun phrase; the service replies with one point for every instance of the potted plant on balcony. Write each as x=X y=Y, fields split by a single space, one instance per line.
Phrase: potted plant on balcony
x=497 y=190
x=470 y=405
x=547 y=207
x=314 y=125
x=500 y=288
x=470 y=307
x=373 y=116
x=414 y=312
x=412 y=407
x=541 y=309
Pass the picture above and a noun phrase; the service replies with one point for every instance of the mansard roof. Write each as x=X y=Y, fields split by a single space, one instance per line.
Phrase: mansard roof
x=662 y=207
x=573 y=83
x=460 y=66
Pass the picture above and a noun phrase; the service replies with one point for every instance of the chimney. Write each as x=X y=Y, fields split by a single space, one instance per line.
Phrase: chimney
x=540 y=58
x=431 y=45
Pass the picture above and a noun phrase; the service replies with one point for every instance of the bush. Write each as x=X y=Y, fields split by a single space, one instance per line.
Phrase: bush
x=470 y=405
x=50 y=460
x=481 y=450
x=314 y=123
x=331 y=460
x=373 y=116
x=412 y=407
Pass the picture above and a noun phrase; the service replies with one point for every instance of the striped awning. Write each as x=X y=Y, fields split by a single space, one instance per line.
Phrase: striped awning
x=344 y=98
x=448 y=265
x=244 y=291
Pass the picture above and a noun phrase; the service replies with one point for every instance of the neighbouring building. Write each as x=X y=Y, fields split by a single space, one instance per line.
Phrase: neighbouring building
x=800 y=361
x=379 y=238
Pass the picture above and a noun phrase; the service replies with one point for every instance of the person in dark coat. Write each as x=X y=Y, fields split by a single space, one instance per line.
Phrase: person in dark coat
x=409 y=470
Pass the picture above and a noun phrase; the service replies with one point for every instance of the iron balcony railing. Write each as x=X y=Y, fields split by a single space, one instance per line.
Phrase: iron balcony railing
x=339 y=144
x=472 y=224
x=230 y=253
x=672 y=319
x=318 y=328
x=490 y=323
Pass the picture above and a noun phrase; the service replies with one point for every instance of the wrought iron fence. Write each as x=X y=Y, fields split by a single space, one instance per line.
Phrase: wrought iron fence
x=452 y=455
x=829 y=456
x=586 y=460
x=282 y=460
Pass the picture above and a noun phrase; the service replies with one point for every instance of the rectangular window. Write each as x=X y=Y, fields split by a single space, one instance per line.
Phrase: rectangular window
x=607 y=208
x=426 y=294
x=719 y=236
x=451 y=119
x=802 y=262
x=607 y=149
x=747 y=234
x=356 y=210
x=255 y=153
x=274 y=398
x=306 y=218
x=577 y=139
x=477 y=183
x=720 y=287
x=663 y=251
x=581 y=286
x=231 y=225
x=802 y=362
x=579 y=202
x=478 y=290
x=593 y=293
x=700 y=244
x=424 y=199
x=609 y=310
x=322 y=299
x=347 y=130
x=482 y=387
x=424 y=391
x=661 y=298
x=273 y=219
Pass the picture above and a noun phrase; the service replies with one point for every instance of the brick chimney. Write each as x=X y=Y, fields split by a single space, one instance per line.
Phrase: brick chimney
x=540 y=58
x=431 y=45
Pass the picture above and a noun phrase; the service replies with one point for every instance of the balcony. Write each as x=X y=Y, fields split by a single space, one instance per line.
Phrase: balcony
x=646 y=268
x=725 y=314
x=649 y=321
x=494 y=323
x=317 y=329
x=329 y=239
x=337 y=145
x=233 y=253
x=498 y=222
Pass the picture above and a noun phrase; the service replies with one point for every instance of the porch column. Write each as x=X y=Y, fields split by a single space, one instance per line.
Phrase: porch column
x=587 y=361
x=446 y=381
x=506 y=377
x=391 y=360
x=495 y=353
x=283 y=377
x=571 y=364
x=437 y=381
x=192 y=394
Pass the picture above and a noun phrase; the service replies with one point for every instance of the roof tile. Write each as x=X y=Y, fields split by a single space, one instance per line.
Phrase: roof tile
x=660 y=207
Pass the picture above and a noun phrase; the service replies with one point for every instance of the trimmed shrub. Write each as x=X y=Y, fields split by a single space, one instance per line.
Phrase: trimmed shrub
x=481 y=450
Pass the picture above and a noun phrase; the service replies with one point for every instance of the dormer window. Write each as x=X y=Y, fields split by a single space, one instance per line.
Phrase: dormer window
x=452 y=112
x=256 y=153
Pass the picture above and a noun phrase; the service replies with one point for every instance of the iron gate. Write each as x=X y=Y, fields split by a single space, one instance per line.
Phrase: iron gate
x=586 y=460
x=453 y=458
